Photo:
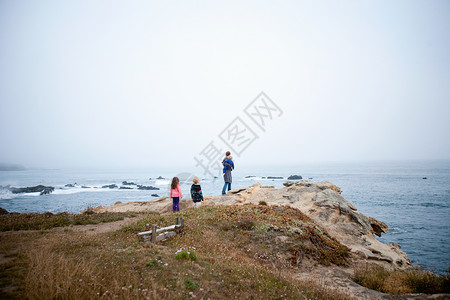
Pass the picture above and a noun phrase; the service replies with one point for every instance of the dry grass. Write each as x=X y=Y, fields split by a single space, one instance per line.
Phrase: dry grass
x=245 y=260
x=401 y=282
x=36 y=221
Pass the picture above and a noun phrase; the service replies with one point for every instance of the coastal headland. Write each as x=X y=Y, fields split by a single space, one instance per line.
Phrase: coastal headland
x=302 y=241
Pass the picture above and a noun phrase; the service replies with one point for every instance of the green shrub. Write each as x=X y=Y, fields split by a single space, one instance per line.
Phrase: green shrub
x=186 y=255
x=152 y=263
x=190 y=284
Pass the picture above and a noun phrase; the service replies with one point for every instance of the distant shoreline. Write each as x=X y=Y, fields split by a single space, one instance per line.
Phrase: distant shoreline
x=11 y=167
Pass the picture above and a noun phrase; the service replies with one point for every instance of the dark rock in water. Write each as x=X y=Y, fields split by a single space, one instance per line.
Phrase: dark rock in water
x=155 y=195
x=251 y=176
x=33 y=189
x=128 y=183
x=70 y=185
x=310 y=178
x=47 y=190
x=263 y=177
x=424 y=178
x=85 y=187
x=111 y=186
x=125 y=188
x=160 y=177
x=274 y=177
x=147 y=188
x=3 y=211
x=295 y=177
x=215 y=177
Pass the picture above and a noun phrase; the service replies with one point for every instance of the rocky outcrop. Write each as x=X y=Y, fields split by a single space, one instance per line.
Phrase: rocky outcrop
x=42 y=189
x=147 y=188
x=321 y=201
x=47 y=190
x=3 y=211
x=109 y=186
x=274 y=177
x=128 y=183
x=295 y=177
x=324 y=203
x=160 y=177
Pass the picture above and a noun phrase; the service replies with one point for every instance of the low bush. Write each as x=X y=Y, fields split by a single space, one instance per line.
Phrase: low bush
x=246 y=224
x=190 y=284
x=401 y=282
x=183 y=254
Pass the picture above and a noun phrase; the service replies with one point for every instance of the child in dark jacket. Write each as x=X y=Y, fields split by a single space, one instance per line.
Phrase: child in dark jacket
x=196 y=192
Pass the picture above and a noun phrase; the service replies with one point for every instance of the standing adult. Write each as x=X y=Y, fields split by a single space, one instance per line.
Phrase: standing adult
x=228 y=166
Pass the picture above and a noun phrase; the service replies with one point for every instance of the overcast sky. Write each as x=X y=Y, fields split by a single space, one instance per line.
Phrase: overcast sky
x=142 y=83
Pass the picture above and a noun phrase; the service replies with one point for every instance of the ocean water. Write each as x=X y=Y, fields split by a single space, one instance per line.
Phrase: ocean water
x=417 y=210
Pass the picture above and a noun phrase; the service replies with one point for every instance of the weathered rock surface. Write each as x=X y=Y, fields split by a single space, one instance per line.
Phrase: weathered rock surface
x=321 y=201
x=128 y=183
x=47 y=190
x=3 y=211
x=109 y=186
x=147 y=188
x=33 y=189
x=295 y=177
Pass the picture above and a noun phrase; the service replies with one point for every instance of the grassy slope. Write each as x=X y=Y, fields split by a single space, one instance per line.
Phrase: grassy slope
x=224 y=252
x=36 y=221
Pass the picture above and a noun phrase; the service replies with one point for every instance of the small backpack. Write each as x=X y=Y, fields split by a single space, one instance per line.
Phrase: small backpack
x=196 y=193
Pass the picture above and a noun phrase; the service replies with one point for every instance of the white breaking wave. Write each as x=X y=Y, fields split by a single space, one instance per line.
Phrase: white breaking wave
x=74 y=190
x=257 y=178
x=6 y=194
x=162 y=182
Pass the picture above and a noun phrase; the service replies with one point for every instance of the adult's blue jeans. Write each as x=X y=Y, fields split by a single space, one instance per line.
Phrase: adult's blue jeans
x=225 y=187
